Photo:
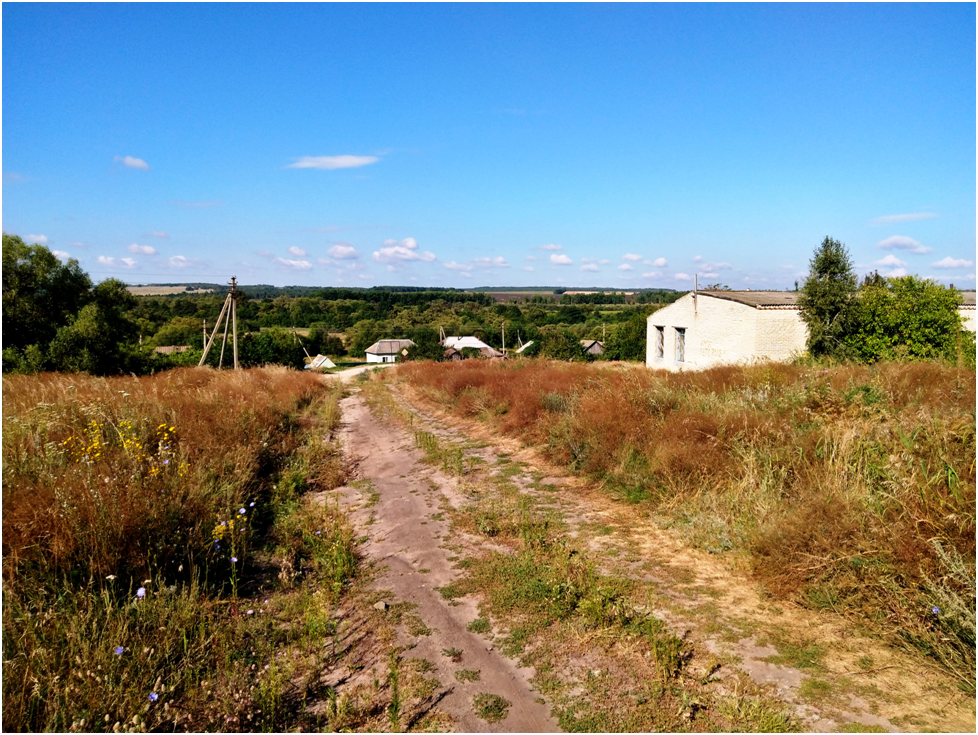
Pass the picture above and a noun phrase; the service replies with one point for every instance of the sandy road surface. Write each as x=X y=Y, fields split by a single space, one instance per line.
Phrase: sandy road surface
x=406 y=540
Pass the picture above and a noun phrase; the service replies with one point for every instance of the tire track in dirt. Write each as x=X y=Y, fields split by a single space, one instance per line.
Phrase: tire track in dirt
x=406 y=538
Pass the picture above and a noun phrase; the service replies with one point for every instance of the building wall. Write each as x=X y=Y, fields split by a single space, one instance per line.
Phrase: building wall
x=722 y=332
x=381 y=358
x=781 y=334
x=968 y=318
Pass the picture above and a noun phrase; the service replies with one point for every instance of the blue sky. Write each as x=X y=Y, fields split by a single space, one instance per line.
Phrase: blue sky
x=466 y=145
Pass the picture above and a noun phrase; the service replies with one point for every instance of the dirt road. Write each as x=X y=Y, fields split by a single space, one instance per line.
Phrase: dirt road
x=401 y=505
x=407 y=536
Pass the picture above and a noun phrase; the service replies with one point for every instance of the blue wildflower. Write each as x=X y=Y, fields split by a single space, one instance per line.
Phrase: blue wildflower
x=153 y=696
x=141 y=592
x=119 y=650
x=241 y=511
x=251 y=504
x=936 y=610
x=234 y=558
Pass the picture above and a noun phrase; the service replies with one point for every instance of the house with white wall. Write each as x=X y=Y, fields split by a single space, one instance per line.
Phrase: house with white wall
x=707 y=328
x=387 y=350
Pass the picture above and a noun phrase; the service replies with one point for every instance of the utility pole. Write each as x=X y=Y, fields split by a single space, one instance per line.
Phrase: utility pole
x=228 y=311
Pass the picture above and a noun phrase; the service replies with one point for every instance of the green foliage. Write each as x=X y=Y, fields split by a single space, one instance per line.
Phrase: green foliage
x=426 y=345
x=558 y=345
x=906 y=318
x=826 y=300
x=40 y=294
x=627 y=340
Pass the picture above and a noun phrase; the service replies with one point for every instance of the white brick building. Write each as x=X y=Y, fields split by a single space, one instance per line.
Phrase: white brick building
x=730 y=327
x=725 y=327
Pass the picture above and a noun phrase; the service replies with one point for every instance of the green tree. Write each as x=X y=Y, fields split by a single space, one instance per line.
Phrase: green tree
x=426 y=345
x=95 y=340
x=626 y=341
x=908 y=318
x=40 y=293
x=827 y=300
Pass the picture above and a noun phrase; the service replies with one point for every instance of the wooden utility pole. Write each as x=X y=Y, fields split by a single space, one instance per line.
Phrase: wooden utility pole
x=228 y=312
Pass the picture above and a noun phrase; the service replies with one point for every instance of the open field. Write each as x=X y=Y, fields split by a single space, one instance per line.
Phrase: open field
x=850 y=490
x=497 y=547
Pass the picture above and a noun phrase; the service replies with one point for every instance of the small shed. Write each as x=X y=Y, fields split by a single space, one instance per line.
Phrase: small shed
x=592 y=346
x=320 y=362
x=387 y=350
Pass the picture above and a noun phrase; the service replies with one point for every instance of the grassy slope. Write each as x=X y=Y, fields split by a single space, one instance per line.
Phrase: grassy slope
x=850 y=489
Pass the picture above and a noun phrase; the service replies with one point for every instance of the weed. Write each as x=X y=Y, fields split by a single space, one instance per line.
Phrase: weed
x=464 y=675
x=491 y=707
x=454 y=654
x=480 y=626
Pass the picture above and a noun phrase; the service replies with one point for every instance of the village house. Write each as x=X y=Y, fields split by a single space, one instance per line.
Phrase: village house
x=387 y=350
x=592 y=346
x=707 y=328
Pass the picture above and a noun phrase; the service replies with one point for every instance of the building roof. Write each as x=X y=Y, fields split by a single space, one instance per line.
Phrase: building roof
x=967 y=299
x=460 y=342
x=758 y=299
x=389 y=346
x=320 y=361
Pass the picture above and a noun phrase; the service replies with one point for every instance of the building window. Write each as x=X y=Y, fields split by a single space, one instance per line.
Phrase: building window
x=660 y=342
x=680 y=345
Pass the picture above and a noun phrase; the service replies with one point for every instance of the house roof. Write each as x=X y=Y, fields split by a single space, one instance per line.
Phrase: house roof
x=320 y=361
x=460 y=342
x=389 y=346
x=586 y=343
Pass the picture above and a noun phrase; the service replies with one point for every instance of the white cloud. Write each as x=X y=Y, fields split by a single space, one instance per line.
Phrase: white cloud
x=36 y=240
x=497 y=262
x=659 y=263
x=697 y=258
x=296 y=265
x=453 y=266
x=464 y=274
x=399 y=252
x=651 y=274
x=297 y=252
x=110 y=262
x=590 y=267
x=889 y=260
x=604 y=261
x=896 y=273
x=950 y=262
x=624 y=267
x=716 y=267
x=179 y=261
x=160 y=234
x=683 y=277
x=329 y=163
x=141 y=249
x=560 y=259
x=76 y=245
x=528 y=268
x=530 y=257
x=631 y=256
x=343 y=251
x=60 y=254
x=899 y=242
x=551 y=247
x=903 y=217
x=131 y=162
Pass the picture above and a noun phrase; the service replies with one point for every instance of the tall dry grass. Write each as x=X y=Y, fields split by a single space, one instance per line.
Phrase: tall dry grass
x=132 y=511
x=849 y=488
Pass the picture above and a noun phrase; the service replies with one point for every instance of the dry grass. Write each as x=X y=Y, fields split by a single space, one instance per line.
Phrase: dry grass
x=142 y=517
x=839 y=484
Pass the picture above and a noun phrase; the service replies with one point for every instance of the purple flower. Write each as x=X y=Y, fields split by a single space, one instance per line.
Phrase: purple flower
x=153 y=696
x=251 y=612
x=141 y=592
x=318 y=532
x=234 y=558
x=936 y=610
x=241 y=511
x=251 y=504
x=119 y=650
